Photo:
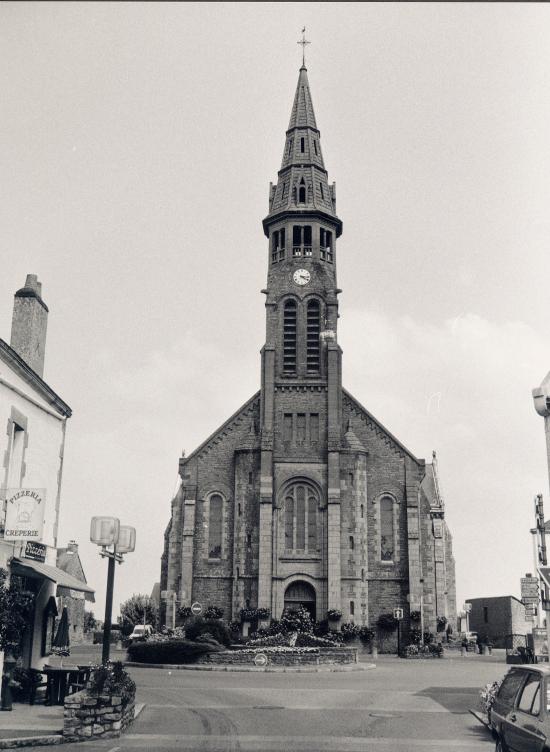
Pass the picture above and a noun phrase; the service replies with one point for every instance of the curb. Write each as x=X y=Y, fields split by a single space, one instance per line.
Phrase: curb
x=31 y=741
x=264 y=669
x=51 y=740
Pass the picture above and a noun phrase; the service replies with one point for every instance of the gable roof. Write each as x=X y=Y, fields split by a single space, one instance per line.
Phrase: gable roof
x=224 y=428
x=358 y=406
x=16 y=362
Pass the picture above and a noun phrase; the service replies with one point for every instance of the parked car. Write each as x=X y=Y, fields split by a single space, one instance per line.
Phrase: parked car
x=520 y=715
x=140 y=633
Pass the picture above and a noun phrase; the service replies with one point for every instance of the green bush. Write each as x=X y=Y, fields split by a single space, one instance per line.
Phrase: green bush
x=213 y=612
x=349 y=631
x=218 y=629
x=170 y=651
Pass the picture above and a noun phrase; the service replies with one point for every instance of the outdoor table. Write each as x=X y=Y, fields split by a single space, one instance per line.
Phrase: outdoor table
x=59 y=680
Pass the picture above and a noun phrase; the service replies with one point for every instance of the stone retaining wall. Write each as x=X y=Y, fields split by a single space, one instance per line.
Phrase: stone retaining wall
x=341 y=656
x=88 y=716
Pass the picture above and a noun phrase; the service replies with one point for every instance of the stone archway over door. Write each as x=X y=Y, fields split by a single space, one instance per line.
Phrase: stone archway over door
x=301 y=593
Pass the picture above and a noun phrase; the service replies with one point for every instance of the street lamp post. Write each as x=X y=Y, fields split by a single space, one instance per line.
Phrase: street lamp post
x=541 y=401
x=115 y=540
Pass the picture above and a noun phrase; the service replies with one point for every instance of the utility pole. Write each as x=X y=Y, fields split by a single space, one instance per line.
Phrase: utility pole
x=541 y=400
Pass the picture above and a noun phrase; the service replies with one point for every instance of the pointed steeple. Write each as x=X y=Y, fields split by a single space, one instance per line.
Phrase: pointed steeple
x=302 y=184
x=302 y=115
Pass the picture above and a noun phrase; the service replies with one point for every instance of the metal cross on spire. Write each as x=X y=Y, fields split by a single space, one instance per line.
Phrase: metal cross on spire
x=303 y=41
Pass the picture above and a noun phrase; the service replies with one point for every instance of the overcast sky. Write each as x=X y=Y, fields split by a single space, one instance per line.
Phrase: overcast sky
x=137 y=142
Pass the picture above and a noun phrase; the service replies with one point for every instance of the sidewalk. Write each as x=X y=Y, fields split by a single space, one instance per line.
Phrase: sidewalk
x=26 y=721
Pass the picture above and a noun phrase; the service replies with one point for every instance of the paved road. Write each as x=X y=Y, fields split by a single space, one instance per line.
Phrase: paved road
x=400 y=706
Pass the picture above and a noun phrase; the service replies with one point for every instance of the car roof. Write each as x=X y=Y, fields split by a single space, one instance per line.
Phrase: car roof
x=541 y=668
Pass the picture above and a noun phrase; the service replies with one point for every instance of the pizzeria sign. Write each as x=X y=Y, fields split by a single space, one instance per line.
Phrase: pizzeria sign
x=24 y=514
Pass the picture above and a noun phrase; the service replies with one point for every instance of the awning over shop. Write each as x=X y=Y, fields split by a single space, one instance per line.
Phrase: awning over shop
x=64 y=581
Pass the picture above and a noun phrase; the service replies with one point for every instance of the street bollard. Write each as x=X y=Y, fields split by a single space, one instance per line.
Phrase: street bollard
x=374 y=652
x=463 y=651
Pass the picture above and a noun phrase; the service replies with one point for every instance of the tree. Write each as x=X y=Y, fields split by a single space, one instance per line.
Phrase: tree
x=16 y=608
x=90 y=622
x=139 y=609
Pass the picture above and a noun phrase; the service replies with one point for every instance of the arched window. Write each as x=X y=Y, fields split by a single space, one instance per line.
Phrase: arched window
x=302 y=192
x=386 y=529
x=215 y=521
x=313 y=332
x=289 y=336
x=300 y=510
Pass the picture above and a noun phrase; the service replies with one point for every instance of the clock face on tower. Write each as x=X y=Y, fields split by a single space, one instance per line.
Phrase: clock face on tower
x=301 y=277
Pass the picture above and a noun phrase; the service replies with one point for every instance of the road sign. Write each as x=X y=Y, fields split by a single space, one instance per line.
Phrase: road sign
x=260 y=659
x=196 y=608
x=398 y=613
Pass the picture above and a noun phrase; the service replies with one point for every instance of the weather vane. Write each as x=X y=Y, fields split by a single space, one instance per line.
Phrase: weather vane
x=303 y=41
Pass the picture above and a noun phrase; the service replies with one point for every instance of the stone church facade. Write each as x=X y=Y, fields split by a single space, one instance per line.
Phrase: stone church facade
x=303 y=496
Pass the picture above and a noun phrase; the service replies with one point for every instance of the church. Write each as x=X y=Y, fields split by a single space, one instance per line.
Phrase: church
x=302 y=497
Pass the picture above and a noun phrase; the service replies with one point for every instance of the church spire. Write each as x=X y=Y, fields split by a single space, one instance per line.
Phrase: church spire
x=302 y=184
x=302 y=115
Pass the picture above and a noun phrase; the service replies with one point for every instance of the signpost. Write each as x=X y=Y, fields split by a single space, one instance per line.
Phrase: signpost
x=398 y=614
x=260 y=659
x=196 y=608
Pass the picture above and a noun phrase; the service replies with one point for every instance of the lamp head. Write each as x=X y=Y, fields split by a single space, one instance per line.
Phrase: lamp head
x=126 y=540
x=104 y=531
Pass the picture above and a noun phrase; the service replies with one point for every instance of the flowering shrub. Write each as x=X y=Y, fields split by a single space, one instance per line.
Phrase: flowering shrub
x=298 y=620
x=113 y=679
x=415 y=616
x=349 y=631
x=424 y=650
x=487 y=695
x=167 y=634
x=334 y=614
x=185 y=612
x=269 y=641
x=309 y=640
x=213 y=612
x=274 y=650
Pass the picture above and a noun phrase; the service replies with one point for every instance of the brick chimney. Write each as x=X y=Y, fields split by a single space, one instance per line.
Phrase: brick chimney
x=29 y=324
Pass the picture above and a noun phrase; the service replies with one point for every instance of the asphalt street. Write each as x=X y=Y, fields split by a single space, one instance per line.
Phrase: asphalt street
x=400 y=705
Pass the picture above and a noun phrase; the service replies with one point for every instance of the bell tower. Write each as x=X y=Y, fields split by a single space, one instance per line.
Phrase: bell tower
x=301 y=396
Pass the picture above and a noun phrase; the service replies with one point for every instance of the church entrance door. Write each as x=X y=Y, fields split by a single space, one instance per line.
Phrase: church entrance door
x=301 y=593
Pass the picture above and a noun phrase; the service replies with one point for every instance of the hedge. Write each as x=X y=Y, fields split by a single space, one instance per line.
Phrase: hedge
x=219 y=631
x=170 y=651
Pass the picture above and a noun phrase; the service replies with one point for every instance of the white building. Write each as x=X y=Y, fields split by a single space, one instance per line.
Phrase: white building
x=33 y=421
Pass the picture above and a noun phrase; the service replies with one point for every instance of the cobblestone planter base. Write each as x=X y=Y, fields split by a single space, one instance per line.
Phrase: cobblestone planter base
x=95 y=716
x=325 y=656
